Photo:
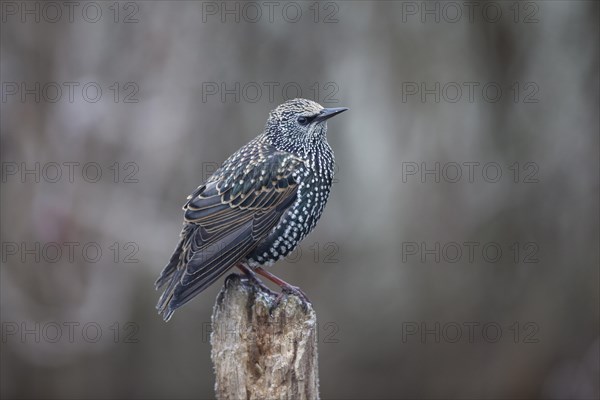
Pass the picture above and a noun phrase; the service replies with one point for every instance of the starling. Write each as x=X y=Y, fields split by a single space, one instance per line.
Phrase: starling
x=257 y=207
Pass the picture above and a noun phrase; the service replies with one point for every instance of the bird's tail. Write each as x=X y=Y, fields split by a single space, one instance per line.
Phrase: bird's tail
x=171 y=274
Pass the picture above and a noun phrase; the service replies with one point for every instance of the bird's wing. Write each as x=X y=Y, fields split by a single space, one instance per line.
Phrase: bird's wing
x=226 y=218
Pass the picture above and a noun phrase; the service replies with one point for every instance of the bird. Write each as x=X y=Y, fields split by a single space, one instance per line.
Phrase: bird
x=256 y=207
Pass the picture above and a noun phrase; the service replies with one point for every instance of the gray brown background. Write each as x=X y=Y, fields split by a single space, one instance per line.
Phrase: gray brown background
x=367 y=289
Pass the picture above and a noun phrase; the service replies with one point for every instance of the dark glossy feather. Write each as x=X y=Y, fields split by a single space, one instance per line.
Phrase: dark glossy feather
x=227 y=217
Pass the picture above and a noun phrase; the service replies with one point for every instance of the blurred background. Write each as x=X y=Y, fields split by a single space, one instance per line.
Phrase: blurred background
x=458 y=255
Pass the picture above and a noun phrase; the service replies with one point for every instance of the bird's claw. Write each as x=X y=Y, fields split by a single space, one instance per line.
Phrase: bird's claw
x=289 y=289
x=295 y=290
x=257 y=282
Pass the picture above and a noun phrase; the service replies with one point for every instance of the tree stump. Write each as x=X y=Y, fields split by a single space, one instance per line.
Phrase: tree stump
x=261 y=348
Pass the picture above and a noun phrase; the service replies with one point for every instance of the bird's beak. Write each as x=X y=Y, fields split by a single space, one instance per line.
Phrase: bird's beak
x=327 y=113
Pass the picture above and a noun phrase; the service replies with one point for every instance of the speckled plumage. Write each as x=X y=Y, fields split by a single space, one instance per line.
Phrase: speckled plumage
x=257 y=207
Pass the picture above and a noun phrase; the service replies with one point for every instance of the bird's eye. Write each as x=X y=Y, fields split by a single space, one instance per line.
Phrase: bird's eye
x=302 y=120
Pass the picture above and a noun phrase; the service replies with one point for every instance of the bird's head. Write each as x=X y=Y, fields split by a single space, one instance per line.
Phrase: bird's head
x=299 y=122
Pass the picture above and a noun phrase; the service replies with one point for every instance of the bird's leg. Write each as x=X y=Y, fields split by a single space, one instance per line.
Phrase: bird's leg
x=252 y=277
x=285 y=287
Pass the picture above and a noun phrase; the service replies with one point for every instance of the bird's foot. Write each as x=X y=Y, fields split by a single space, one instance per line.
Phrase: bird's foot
x=251 y=276
x=295 y=290
x=286 y=288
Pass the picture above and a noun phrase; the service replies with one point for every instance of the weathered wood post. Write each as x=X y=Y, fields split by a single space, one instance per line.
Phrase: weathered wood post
x=262 y=349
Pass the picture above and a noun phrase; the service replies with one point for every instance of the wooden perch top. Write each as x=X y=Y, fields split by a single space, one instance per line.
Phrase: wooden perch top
x=261 y=348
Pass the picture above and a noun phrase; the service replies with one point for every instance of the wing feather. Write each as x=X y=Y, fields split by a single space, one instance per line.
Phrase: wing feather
x=226 y=218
